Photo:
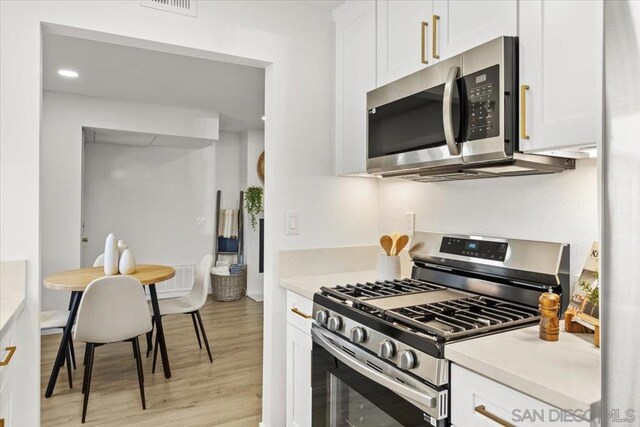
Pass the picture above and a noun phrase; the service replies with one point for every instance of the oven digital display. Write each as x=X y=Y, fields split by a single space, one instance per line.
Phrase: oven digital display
x=485 y=249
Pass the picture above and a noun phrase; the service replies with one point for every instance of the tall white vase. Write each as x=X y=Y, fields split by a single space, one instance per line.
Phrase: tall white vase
x=127 y=262
x=111 y=258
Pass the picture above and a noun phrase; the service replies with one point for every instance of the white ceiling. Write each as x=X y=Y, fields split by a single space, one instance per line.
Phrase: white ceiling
x=140 y=75
x=142 y=139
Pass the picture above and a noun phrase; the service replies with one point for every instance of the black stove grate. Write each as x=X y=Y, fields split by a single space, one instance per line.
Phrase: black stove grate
x=463 y=317
x=364 y=291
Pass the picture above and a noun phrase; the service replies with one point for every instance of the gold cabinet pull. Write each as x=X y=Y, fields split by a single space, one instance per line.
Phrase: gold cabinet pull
x=523 y=111
x=483 y=411
x=434 y=38
x=300 y=313
x=423 y=42
x=7 y=359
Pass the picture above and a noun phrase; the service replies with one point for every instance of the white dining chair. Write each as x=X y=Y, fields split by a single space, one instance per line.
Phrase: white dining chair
x=99 y=262
x=113 y=309
x=58 y=320
x=190 y=304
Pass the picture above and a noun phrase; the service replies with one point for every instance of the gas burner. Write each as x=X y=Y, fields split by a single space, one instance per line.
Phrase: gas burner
x=379 y=289
x=458 y=318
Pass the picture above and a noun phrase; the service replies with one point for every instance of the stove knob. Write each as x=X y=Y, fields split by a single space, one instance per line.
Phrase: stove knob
x=386 y=349
x=321 y=317
x=406 y=360
x=334 y=323
x=358 y=334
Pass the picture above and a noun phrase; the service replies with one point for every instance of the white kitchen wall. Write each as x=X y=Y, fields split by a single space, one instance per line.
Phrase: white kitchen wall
x=130 y=191
x=252 y=146
x=227 y=164
x=293 y=40
x=558 y=208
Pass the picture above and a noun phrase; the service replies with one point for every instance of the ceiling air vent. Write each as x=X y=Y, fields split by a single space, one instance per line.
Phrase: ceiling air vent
x=183 y=7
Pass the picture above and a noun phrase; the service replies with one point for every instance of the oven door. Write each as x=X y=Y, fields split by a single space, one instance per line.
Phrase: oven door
x=351 y=387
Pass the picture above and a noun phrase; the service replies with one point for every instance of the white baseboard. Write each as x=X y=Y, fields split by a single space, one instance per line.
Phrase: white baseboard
x=256 y=297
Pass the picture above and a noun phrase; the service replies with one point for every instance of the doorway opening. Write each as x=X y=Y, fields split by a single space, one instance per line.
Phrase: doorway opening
x=138 y=142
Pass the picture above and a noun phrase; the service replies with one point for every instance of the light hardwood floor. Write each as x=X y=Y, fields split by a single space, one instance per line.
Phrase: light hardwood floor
x=227 y=392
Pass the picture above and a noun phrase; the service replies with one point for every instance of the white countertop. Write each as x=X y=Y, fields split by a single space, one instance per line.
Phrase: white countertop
x=309 y=285
x=564 y=374
x=12 y=291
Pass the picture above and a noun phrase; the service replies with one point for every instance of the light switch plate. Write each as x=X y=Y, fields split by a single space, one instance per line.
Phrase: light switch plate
x=409 y=223
x=292 y=222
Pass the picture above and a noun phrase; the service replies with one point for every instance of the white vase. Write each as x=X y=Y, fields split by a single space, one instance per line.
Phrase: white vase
x=121 y=247
x=111 y=255
x=127 y=262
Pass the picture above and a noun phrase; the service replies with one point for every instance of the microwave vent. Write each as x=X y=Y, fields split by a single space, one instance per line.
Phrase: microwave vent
x=182 y=7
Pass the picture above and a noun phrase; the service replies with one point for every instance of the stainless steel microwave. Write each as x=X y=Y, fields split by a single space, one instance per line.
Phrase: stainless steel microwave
x=457 y=119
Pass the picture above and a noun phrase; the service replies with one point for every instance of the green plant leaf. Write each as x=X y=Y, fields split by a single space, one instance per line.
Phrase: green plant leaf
x=253 y=204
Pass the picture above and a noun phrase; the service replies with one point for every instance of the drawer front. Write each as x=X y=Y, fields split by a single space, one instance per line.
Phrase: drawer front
x=299 y=311
x=477 y=401
x=8 y=339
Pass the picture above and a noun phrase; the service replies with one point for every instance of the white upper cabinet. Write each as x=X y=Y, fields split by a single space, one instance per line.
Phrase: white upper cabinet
x=560 y=74
x=355 y=76
x=403 y=38
x=459 y=25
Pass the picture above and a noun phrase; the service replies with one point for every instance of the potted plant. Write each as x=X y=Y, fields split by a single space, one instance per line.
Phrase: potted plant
x=253 y=204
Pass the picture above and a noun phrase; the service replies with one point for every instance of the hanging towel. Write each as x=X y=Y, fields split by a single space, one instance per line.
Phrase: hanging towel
x=228 y=225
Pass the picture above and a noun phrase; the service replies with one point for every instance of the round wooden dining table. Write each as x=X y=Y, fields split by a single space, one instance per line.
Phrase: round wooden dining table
x=76 y=281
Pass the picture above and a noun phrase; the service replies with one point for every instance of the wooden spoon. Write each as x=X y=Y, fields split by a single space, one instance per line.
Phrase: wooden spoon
x=386 y=243
x=394 y=239
x=401 y=243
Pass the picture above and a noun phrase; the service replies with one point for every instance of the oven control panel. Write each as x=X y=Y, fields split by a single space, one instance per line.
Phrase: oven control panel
x=485 y=249
x=483 y=103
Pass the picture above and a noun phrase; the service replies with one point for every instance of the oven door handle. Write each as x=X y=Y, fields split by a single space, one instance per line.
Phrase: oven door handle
x=409 y=393
x=447 y=112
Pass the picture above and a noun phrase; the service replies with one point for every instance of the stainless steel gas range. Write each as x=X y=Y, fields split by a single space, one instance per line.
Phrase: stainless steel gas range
x=378 y=348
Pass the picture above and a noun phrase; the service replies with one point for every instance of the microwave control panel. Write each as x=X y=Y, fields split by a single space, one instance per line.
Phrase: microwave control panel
x=483 y=103
x=485 y=249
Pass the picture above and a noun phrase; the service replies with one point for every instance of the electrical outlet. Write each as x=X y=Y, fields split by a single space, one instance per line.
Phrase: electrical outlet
x=409 y=223
x=200 y=222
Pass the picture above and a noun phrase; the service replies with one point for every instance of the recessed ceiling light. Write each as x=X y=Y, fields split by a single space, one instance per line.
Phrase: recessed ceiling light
x=68 y=73
x=263 y=118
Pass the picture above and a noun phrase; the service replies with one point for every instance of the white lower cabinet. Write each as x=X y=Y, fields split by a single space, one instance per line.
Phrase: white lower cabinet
x=477 y=401
x=298 y=375
x=12 y=376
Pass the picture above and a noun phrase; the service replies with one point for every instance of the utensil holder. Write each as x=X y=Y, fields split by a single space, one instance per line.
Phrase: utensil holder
x=388 y=267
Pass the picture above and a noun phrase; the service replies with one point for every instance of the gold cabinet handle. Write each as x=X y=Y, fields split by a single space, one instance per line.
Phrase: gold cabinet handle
x=523 y=111
x=10 y=351
x=300 y=313
x=423 y=42
x=483 y=411
x=434 y=38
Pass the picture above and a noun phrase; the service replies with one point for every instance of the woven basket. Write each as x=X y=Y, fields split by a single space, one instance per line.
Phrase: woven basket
x=229 y=288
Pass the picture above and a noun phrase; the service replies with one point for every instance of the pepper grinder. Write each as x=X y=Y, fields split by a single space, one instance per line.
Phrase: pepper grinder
x=549 y=304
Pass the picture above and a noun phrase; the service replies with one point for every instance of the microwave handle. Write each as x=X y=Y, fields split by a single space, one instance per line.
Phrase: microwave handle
x=447 y=113
x=402 y=390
